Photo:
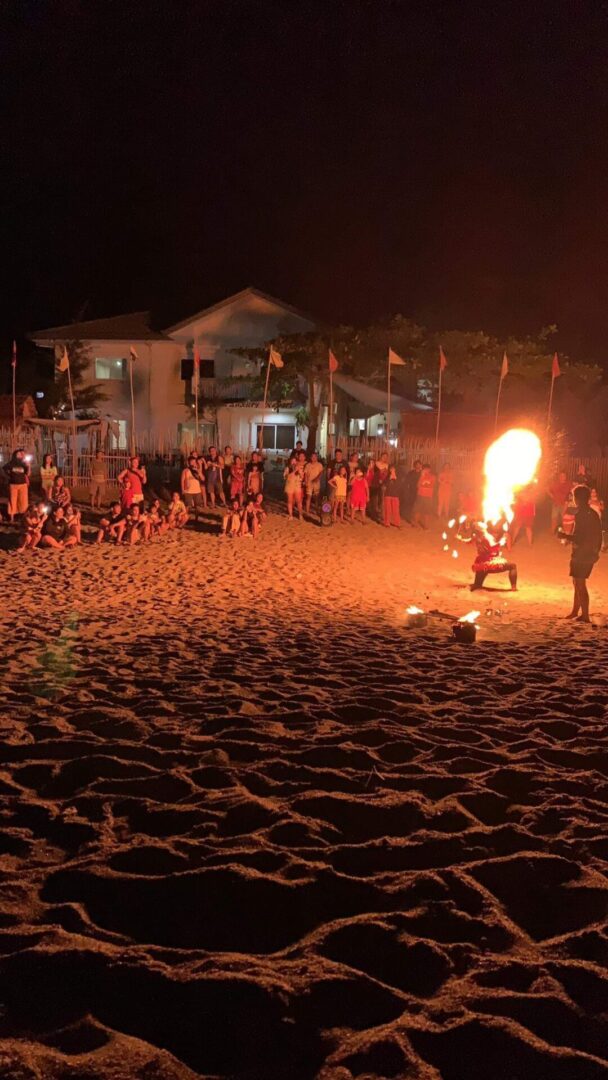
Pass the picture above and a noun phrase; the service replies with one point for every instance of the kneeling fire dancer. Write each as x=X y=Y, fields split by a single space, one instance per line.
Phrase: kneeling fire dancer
x=489 y=541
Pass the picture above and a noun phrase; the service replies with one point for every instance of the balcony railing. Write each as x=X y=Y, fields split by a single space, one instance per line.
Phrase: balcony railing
x=225 y=390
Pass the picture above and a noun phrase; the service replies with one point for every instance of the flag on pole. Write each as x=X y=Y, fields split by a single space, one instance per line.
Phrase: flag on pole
x=275 y=357
x=504 y=371
x=64 y=363
x=197 y=361
x=133 y=354
x=394 y=358
x=442 y=359
x=14 y=355
x=555 y=371
x=333 y=363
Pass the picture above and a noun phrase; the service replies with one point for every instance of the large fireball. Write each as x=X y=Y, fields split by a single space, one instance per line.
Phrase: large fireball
x=510 y=463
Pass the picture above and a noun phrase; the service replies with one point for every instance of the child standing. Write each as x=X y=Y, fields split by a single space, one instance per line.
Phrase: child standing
x=293 y=476
x=338 y=483
x=237 y=480
x=126 y=495
x=359 y=495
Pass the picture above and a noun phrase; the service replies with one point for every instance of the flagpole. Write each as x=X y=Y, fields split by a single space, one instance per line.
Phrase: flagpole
x=500 y=382
x=74 y=473
x=388 y=401
x=132 y=440
x=330 y=444
x=550 y=401
x=438 y=407
x=261 y=435
x=196 y=382
x=14 y=396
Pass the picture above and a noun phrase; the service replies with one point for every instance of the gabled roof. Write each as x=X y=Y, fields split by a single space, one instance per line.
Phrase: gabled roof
x=376 y=399
x=26 y=407
x=249 y=291
x=135 y=326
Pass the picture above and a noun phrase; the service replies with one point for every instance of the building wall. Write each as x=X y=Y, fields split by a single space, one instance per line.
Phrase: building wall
x=238 y=425
x=247 y=323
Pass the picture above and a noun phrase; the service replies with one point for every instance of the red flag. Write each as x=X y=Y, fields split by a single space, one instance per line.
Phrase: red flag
x=555 y=372
x=14 y=356
x=197 y=359
x=504 y=371
x=333 y=363
x=442 y=360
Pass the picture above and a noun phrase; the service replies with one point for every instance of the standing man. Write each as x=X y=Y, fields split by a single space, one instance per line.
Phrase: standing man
x=586 y=546
x=313 y=471
x=559 y=491
x=411 y=490
x=98 y=480
x=136 y=475
x=18 y=472
x=193 y=492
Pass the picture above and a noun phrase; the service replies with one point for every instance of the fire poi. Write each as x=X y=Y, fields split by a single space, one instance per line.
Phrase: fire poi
x=510 y=464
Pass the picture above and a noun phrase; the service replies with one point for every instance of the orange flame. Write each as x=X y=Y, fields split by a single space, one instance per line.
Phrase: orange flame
x=510 y=463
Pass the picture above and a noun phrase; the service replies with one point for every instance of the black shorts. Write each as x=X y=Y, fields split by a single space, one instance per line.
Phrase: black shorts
x=194 y=500
x=581 y=568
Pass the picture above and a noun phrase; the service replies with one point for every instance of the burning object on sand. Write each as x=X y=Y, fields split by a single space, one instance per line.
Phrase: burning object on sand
x=415 y=616
x=465 y=628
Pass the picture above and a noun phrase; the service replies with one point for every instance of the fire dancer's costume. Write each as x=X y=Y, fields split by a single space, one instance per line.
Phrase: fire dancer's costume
x=490 y=560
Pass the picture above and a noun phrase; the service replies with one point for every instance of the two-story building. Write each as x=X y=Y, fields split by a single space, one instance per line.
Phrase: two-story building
x=163 y=371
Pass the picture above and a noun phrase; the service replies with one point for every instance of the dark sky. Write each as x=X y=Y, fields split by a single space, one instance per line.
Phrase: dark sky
x=442 y=160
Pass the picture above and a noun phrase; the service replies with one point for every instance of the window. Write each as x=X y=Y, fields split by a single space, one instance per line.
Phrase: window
x=119 y=443
x=207 y=369
x=110 y=369
x=278 y=436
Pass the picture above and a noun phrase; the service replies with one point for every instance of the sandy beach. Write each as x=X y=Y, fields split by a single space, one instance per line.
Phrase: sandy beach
x=254 y=828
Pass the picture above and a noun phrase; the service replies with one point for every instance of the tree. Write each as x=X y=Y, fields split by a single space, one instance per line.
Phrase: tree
x=87 y=395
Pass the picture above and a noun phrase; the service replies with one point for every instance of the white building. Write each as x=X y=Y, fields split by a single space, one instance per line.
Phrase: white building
x=162 y=372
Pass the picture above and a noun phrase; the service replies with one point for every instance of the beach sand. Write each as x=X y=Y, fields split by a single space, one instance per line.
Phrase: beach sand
x=252 y=827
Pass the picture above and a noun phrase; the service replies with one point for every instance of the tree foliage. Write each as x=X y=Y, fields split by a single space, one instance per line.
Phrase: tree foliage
x=87 y=395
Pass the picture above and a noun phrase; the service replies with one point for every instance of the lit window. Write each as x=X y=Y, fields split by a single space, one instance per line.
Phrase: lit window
x=119 y=443
x=278 y=436
x=110 y=369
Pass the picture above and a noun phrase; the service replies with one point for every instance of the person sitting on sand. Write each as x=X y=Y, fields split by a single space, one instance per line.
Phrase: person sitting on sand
x=586 y=540
x=359 y=495
x=73 y=518
x=177 y=515
x=137 y=525
x=339 y=484
x=56 y=533
x=250 y=525
x=31 y=526
x=60 y=494
x=158 y=524
x=231 y=520
x=490 y=559
x=112 y=527
x=260 y=509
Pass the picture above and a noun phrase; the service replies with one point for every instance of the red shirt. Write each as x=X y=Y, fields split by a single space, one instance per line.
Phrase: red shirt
x=135 y=479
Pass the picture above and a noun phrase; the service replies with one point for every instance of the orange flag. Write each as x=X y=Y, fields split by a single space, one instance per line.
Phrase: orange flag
x=333 y=363
x=555 y=372
x=442 y=360
x=504 y=371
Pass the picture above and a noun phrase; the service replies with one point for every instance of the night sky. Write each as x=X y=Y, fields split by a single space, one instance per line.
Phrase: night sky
x=444 y=161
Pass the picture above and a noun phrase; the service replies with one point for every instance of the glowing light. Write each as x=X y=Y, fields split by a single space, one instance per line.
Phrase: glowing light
x=451 y=523
x=454 y=554
x=470 y=617
x=462 y=518
x=510 y=463
x=413 y=610
x=28 y=457
x=444 y=536
x=446 y=547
